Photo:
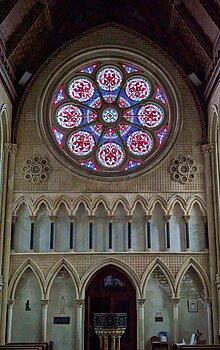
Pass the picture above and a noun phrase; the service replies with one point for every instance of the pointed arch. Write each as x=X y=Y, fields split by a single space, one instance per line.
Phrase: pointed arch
x=120 y=200
x=43 y=200
x=62 y=200
x=142 y=201
x=166 y=271
x=196 y=199
x=81 y=200
x=100 y=200
x=127 y=270
x=191 y=262
x=29 y=263
x=160 y=200
x=177 y=199
x=54 y=271
x=213 y=123
x=5 y=123
x=19 y=202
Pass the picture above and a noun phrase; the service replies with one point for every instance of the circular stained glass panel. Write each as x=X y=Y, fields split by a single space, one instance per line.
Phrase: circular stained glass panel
x=81 y=143
x=81 y=89
x=109 y=79
x=151 y=115
x=110 y=155
x=137 y=89
x=110 y=115
x=140 y=143
x=69 y=116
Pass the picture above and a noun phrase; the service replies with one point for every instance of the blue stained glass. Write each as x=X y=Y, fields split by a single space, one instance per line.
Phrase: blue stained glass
x=132 y=116
x=130 y=69
x=95 y=130
x=162 y=135
x=109 y=136
x=160 y=95
x=60 y=95
x=88 y=115
x=89 y=165
x=89 y=69
x=124 y=101
x=59 y=136
x=126 y=130
x=131 y=164
x=109 y=96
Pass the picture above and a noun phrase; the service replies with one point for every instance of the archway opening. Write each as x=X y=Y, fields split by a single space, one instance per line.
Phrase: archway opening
x=111 y=291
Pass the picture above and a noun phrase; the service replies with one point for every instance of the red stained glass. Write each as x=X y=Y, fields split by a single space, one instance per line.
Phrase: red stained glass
x=81 y=143
x=137 y=89
x=81 y=89
x=140 y=143
x=110 y=155
x=151 y=115
x=69 y=116
x=109 y=79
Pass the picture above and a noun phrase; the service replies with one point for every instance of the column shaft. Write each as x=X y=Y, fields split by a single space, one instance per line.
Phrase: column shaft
x=9 y=320
x=44 y=305
x=79 y=324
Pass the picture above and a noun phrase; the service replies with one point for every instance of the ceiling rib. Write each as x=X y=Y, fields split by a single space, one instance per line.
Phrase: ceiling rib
x=24 y=27
x=195 y=29
x=5 y=7
x=212 y=10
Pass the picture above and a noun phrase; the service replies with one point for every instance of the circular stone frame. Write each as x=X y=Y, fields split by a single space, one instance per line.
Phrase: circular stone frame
x=110 y=56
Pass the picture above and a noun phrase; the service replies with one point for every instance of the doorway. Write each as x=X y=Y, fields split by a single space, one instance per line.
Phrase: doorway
x=110 y=290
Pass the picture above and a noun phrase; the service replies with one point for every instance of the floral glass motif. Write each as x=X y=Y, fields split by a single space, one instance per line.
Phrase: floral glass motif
x=110 y=117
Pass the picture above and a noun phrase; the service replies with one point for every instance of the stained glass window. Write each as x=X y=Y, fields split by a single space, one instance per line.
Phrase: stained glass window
x=110 y=119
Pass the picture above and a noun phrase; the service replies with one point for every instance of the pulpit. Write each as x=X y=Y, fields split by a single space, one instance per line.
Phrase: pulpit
x=110 y=327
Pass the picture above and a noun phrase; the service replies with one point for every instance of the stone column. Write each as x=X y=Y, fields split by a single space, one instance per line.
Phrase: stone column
x=186 y=219
x=7 y=238
x=9 y=320
x=32 y=219
x=208 y=304
x=79 y=324
x=141 y=303
x=175 y=303
x=129 y=220
x=91 y=223
x=148 y=233
x=72 y=232
x=208 y=151
x=52 y=227
x=167 y=218
x=14 y=220
x=110 y=221
x=44 y=309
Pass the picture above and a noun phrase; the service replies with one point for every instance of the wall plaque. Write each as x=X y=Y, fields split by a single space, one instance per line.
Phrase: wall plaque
x=61 y=320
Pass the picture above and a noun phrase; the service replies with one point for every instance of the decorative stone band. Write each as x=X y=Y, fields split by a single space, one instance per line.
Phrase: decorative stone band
x=10 y=148
x=208 y=148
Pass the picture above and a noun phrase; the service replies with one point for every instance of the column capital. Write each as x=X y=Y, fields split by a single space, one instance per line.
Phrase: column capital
x=1 y=282
x=32 y=218
x=91 y=218
x=141 y=301
x=52 y=218
x=186 y=218
x=208 y=148
x=11 y=302
x=148 y=218
x=72 y=218
x=80 y=302
x=129 y=218
x=110 y=218
x=14 y=219
x=175 y=301
x=208 y=302
x=167 y=217
x=44 y=302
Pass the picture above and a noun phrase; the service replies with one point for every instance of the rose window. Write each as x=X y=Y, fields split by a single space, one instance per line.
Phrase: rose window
x=110 y=119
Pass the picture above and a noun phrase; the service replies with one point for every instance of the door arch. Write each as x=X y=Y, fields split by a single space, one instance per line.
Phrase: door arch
x=110 y=290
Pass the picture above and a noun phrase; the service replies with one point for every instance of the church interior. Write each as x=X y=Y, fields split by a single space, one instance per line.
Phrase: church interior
x=109 y=174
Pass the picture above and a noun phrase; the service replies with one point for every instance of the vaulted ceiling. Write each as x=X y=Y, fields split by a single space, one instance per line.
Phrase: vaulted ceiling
x=31 y=30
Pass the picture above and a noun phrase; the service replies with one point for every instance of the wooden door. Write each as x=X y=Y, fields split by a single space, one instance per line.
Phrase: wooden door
x=111 y=291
